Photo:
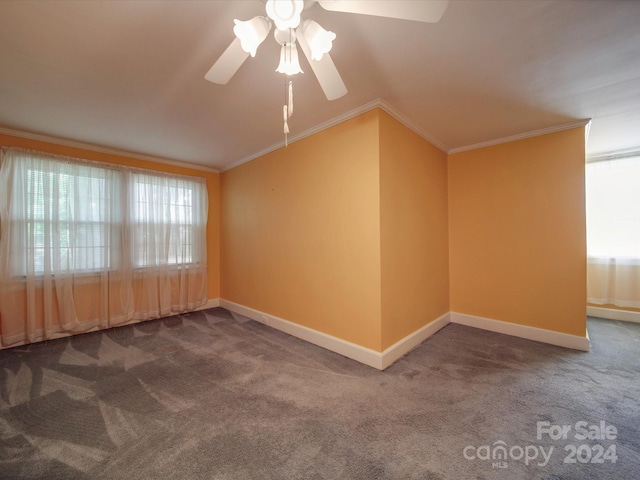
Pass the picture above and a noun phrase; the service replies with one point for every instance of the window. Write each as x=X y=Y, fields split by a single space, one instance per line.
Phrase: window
x=72 y=216
x=613 y=208
x=86 y=244
x=613 y=232
x=63 y=217
x=167 y=210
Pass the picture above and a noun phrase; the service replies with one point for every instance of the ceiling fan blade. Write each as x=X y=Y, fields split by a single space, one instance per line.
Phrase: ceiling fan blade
x=429 y=11
x=326 y=72
x=228 y=63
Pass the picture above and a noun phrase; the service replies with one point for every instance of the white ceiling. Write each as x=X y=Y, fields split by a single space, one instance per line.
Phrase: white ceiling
x=129 y=75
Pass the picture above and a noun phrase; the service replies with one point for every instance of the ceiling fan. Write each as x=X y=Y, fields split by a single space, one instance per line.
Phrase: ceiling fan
x=286 y=14
x=315 y=41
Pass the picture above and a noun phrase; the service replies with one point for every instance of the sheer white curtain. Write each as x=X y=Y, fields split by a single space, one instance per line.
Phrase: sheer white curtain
x=86 y=244
x=613 y=232
x=169 y=271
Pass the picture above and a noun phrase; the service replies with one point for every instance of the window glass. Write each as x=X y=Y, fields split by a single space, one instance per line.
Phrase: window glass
x=613 y=208
x=165 y=209
x=69 y=218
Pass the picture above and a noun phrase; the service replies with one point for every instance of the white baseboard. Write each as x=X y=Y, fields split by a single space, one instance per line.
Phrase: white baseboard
x=614 y=314
x=382 y=360
x=411 y=341
x=211 y=303
x=335 y=344
x=350 y=350
x=531 y=333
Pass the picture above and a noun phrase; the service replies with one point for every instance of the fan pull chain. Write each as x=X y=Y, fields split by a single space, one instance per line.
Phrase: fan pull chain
x=290 y=98
x=286 y=125
x=287 y=110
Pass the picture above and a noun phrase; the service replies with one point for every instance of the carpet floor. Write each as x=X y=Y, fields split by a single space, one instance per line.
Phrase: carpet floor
x=212 y=395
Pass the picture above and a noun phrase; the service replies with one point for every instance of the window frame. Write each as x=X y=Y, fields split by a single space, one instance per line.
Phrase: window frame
x=117 y=231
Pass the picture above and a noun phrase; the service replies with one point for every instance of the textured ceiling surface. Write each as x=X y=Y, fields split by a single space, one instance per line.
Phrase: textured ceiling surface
x=129 y=75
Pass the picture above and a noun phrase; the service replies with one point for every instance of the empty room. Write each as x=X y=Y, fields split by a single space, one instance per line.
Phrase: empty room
x=320 y=239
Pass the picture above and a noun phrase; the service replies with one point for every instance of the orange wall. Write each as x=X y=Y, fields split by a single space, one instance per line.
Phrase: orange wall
x=366 y=232
x=213 y=188
x=301 y=232
x=517 y=232
x=414 y=231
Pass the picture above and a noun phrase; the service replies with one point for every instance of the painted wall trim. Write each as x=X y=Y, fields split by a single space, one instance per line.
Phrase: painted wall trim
x=211 y=303
x=531 y=333
x=106 y=150
x=307 y=133
x=613 y=314
x=587 y=131
x=396 y=351
x=412 y=126
x=380 y=103
x=411 y=341
x=377 y=103
x=521 y=136
x=350 y=350
x=619 y=154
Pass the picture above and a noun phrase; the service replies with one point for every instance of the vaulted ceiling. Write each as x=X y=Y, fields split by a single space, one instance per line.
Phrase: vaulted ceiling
x=129 y=75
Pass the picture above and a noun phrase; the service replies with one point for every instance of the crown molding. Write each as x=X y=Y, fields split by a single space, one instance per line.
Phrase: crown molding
x=522 y=136
x=587 y=131
x=412 y=126
x=307 y=133
x=377 y=103
x=615 y=155
x=106 y=150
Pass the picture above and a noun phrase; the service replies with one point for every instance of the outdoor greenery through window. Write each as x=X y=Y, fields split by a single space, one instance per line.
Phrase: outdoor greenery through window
x=85 y=217
x=88 y=245
x=170 y=207
x=82 y=234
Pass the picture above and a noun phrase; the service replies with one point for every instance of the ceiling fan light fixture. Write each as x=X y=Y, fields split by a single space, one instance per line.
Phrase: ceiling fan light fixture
x=289 y=63
x=252 y=33
x=285 y=13
x=319 y=39
x=284 y=36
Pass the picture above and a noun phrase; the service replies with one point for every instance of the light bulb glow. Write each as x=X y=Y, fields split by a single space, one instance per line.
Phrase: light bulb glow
x=252 y=33
x=320 y=40
x=289 y=63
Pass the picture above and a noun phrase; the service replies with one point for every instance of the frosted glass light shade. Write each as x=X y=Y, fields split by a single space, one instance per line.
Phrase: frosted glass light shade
x=320 y=40
x=252 y=33
x=285 y=13
x=289 y=63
